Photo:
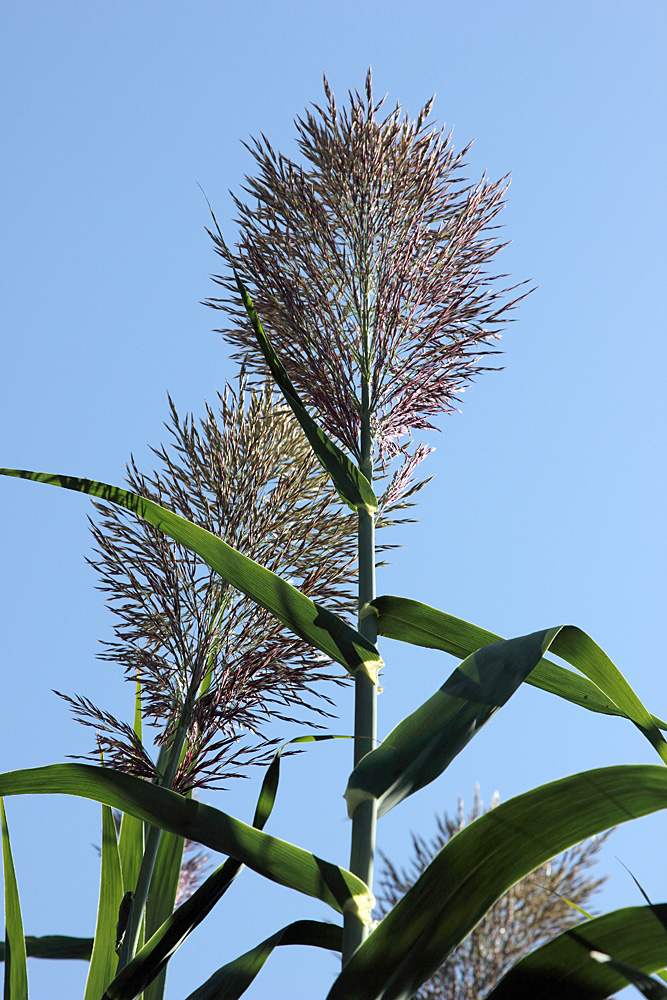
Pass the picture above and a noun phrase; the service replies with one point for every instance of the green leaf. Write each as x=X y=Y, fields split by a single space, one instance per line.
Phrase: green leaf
x=563 y=966
x=480 y=863
x=351 y=484
x=16 y=970
x=420 y=747
x=233 y=979
x=273 y=858
x=647 y=987
x=150 y=962
x=419 y=624
x=311 y=622
x=55 y=946
x=104 y=958
x=162 y=898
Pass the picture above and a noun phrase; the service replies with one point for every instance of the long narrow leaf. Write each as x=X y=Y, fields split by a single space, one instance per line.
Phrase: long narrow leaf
x=648 y=987
x=563 y=967
x=420 y=747
x=477 y=866
x=350 y=482
x=275 y=859
x=162 y=898
x=104 y=958
x=16 y=970
x=421 y=625
x=232 y=980
x=151 y=961
x=311 y=622
x=55 y=946
x=148 y=968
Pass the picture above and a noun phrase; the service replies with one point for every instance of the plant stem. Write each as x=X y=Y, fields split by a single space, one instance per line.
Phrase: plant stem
x=365 y=707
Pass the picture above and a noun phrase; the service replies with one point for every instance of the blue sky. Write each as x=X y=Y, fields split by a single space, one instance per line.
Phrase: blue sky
x=547 y=505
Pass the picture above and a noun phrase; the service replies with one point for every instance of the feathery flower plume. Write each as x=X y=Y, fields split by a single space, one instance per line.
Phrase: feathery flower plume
x=247 y=474
x=530 y=913
x=369 y=263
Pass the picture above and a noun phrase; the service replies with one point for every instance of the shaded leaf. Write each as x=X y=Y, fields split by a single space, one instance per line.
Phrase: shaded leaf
x=275 y=859
x=420 y=748
x=233 y=979
x=480 y=863
x=351 y=484
x=151 y=960
x=647 y=987
x=422 y=745
x=563 y=967
x=55 y=946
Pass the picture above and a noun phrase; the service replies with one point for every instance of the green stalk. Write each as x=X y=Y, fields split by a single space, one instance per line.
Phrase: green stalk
x=364 y=820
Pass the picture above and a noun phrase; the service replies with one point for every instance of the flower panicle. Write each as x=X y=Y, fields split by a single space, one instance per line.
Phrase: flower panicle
x=376 y=229
x=209 y=658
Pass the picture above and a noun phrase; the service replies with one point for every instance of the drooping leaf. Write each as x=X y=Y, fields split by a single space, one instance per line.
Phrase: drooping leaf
x=104 y=958
x=275 y=859
x=421 y=625
x=311 y=622
x=152 y=959
x=480 y=863
x=420 y=747
x=232 y=980
x=55 y=946
x=16 y=970
x=563 y=967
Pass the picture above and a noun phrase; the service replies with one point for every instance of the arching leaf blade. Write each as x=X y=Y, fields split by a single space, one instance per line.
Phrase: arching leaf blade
x=311 y=622
x=477 y=866
x=423 y=744
x=232 y=980
x=421 y=625
x=564 y=967
x=147 y=970
x=16 y=969
x=275 y=859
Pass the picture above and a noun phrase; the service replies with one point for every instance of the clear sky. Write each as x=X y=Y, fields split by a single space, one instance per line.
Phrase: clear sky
x=548 y=505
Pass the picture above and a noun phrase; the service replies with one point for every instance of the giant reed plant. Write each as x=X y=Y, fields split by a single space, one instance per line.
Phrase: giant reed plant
x=361 y=282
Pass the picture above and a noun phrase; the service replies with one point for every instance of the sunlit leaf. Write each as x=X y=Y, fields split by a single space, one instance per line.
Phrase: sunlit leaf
x=421 y=625
x=275 y=859
x=311 y=622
